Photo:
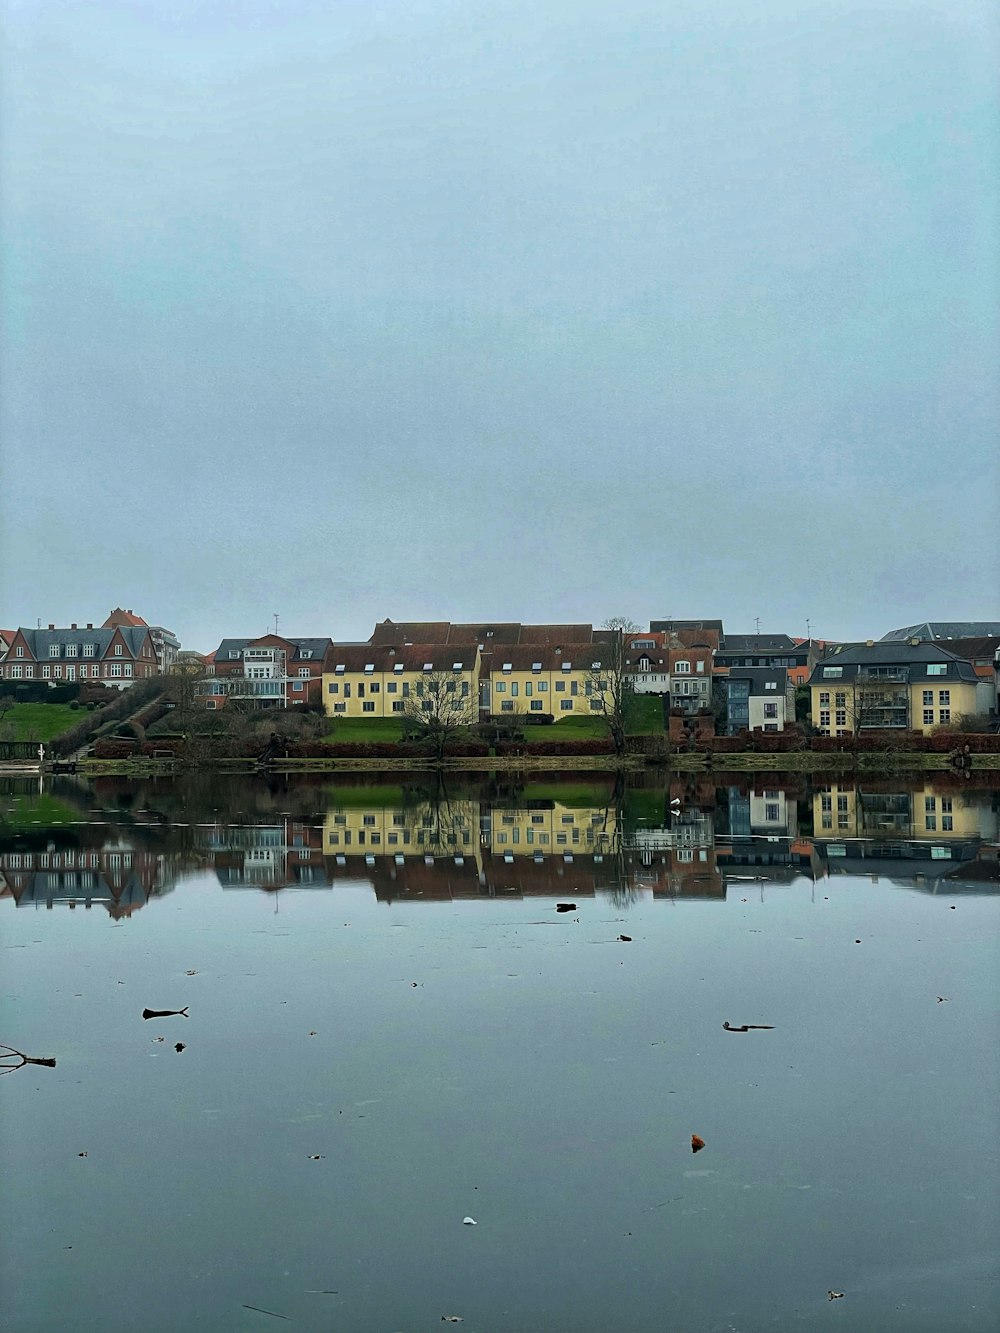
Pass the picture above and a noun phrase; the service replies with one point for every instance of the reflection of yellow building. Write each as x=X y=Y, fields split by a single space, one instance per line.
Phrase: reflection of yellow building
x=366 y=681
x=561 y=829
x=844 y=811
x=450 y=828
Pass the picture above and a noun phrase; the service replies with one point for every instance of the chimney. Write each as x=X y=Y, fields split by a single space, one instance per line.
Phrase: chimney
x=914 y=643
x=52 y=627
x=89 y=625
x=869 y=643
x=73 y=626
x=128 y=611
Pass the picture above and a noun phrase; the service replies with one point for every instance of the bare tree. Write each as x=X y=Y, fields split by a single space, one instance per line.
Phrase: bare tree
x=608 y=684
x=440 y=706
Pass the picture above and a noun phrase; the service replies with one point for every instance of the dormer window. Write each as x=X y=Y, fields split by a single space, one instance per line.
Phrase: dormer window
x=71 y=650
x=305 y=652
x=19 y=652
x=118 y=650
x=682 y=668
x=937 y=669
x=397 y=667
x=53 y=650
x=830 y=672
x=88 y=650
x=428 y=666
x=566 y=666
x=339 y=669
x=508 y=667
x=536 y=667
x=234 y=653
x=369 y=668
x=456 y=666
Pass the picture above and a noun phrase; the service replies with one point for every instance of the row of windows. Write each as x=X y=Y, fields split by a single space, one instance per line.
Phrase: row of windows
x=392 y=687
x=366 y=838
x=944 y=715
x=27 y=672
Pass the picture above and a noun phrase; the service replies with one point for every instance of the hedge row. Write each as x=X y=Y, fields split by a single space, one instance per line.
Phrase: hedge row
x=124 y=703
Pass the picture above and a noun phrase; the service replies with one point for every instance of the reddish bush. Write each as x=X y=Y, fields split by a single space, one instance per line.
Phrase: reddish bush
x=115 y=749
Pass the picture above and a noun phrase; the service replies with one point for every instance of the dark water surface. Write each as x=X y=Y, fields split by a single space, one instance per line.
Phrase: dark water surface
x=416 y=1015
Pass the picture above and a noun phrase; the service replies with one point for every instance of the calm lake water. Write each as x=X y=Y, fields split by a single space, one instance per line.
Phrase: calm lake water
x=392 y=1029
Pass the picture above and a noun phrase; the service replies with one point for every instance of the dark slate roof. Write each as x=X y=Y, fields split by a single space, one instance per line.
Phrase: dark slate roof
x=983 y=648
x=39 y=641
x=758 y=643
x=944 y=629
x=686 y=624
x=858 y=657
x=760 y=677
x=317 y=647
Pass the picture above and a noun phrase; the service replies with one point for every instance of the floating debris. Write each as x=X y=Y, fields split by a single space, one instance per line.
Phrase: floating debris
x=624 y=939
x=81 y=1154
x=749 y=1027
x=942 y=999
x=697 y=1143
x=316 y=1157
x=167 y=1013
x=178 y=1047
x=451 y=1319
x=834 y=1295
x=469 y=1222
x=565 y=907
x=273 y=1313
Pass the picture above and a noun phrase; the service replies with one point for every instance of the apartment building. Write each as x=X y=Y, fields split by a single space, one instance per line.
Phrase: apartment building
x=115 y=657
x=373 y=680
x=914 y=685
x=271 y=671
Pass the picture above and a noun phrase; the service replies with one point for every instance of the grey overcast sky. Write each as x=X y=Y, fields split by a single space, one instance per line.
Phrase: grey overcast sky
x=499 y=309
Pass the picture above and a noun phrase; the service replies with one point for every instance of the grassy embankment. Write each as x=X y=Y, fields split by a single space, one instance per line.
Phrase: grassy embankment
x=40 y=722
x=647 y=720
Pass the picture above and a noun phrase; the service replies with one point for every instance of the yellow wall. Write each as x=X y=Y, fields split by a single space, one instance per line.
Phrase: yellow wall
x=954 y=697
x=554 y=689
x=586 y=829
x=385 y=688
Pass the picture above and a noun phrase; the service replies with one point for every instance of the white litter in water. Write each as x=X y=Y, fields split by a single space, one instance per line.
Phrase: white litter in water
x=469 y=1222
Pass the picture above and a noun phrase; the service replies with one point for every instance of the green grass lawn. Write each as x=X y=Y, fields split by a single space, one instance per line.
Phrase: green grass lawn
x=576 y=727
x=40 y=722
x=646 y=715
x=364 y=729
x=384 y=796
x=574 y=795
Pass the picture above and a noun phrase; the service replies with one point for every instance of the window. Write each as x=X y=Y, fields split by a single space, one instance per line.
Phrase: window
x=771 y=813
x=565 y=666
x=427 y=706
x=827 y=821
x=507 y=666
x=536 y=667
x=369 y=668
x=397 y=705
x=500 y=686
x=928 y=698
x=930 y=804
x=824 y=697
x=368 y=820
x=53 y=650
x=842 y=804
x=826 y=802
x=513 y=687
x=560 y=687
x=304 y=672
x=928 y=716
x=565 y=705
x=542 y=686
x=946 y=805
x=15 y=672
x=841 y=699
x=945 y=715
x=45 y=672
x=595 y=705
x=333 y=688
x=527 y=686
x=824 y=719
x=390 y=687
x=507 y=706
x=931 y=822
x=831 y=673
x=537 y=705
x=770 y=685
x=29 y=672
x=19 y=652
x=944 y=697
x=118 y=650
x=116 y=668
x=373 y=687
x=699 y=667
x=682 y=668
x=71 y=650
x=937 y=669
x=842 y=717
x=340 y=708
x=770 y=710
x=128 y=670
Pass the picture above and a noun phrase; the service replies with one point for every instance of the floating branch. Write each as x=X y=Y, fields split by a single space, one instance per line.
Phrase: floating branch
x=20 y=1060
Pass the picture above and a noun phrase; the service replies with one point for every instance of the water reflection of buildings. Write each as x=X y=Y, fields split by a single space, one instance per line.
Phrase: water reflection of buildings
x=118 y=877
x=286 y=854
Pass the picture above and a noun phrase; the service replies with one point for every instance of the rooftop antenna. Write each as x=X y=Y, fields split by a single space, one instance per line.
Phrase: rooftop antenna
x=275 y=622
x=756 y=621
x=808 y=629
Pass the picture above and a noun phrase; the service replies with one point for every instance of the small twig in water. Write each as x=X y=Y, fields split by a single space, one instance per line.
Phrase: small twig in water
x=273 y=1313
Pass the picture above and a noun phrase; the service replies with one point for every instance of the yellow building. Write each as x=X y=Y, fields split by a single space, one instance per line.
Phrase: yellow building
x=530 y=678
x=916 y=686
x=561 y=829
x=362 y=680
